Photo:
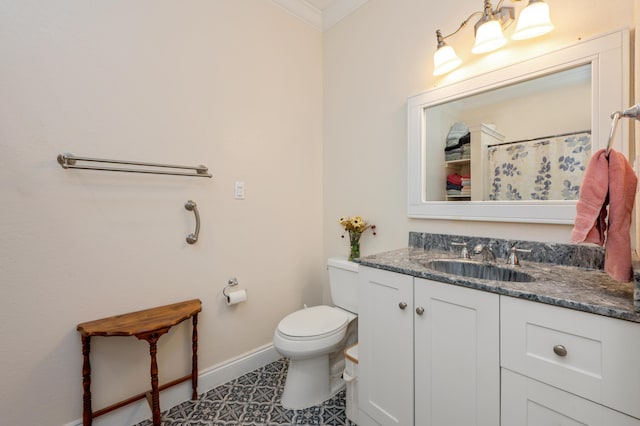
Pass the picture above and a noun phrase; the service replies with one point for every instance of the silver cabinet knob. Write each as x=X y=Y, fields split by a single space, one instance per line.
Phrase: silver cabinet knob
x=419 y=310
x=560 y=350
x=402 y=305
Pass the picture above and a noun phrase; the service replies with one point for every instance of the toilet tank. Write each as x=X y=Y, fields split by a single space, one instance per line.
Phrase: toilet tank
x=343 y=281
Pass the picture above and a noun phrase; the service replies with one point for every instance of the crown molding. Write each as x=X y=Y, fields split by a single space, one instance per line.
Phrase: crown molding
x=320 y=19
x=338 y=11
x=303 y=10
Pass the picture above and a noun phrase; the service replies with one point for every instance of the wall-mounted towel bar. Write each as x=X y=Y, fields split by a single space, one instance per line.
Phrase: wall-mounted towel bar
x=69 y=161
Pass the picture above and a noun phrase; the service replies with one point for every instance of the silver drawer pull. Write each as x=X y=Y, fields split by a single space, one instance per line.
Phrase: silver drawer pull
x=402 y=305
x=419 y=310
x=560 y=350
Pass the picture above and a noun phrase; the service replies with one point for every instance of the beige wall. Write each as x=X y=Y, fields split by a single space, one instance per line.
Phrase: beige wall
x=234 y=85
x=373 y=61
x=315 y=125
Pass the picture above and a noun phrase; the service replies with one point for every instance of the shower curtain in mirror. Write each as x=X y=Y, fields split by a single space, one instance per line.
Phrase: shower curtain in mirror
x=540 y=169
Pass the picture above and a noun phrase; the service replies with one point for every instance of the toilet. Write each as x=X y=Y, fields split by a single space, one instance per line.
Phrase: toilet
x=314 y=339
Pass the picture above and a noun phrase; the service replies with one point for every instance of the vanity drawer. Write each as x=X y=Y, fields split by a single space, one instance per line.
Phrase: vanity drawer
x=528 y=402
x=595 y=357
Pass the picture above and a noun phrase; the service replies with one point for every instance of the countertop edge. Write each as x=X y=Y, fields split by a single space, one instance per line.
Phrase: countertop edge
x=579 y=296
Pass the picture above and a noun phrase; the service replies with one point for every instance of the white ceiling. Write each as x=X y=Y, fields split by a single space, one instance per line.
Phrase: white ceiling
x=322 y=14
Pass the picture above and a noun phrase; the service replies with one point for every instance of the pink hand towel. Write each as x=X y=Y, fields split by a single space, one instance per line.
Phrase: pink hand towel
x=591 y=210
x=607 y=182
x=622 y=193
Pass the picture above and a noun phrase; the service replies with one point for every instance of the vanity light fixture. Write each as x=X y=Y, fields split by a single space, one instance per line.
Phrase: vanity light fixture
x=533 y=21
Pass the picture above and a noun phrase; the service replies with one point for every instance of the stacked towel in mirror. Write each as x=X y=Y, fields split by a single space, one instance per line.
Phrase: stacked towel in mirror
x=458 y=145
x=458 y=185
x=466 y=185
x=456 y=131
x=454 y=184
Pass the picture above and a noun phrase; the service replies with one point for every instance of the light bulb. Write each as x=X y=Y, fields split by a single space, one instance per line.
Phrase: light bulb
x=445 y=60
x=533 y=21
x=489 y=37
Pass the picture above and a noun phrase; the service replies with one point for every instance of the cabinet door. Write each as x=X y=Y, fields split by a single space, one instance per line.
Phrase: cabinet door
x=527 y=402
x=385 y=346
x=457 y=355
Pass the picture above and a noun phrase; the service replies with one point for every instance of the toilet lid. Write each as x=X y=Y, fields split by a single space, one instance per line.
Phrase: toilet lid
x=313 y=321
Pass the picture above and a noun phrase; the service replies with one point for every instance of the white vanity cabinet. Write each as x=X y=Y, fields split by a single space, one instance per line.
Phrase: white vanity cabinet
x=567 y=367
x=428 y=352
x=436 y=354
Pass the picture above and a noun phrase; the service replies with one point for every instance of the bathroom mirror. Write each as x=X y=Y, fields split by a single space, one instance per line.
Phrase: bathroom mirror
x=518 y=118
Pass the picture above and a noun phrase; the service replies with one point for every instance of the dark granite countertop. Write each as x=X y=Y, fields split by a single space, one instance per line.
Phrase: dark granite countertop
x=584 y=289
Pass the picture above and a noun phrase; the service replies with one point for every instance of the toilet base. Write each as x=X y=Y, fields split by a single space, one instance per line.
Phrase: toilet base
x=307 y=383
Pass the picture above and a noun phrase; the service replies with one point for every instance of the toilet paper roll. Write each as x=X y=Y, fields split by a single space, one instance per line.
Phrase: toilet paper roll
x=235 y=297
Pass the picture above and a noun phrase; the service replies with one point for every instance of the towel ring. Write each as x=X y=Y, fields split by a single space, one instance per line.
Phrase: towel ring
x=632 y=112
x=615 y=117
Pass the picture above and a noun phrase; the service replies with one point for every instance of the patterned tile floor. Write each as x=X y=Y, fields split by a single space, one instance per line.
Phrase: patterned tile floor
x=253 y=399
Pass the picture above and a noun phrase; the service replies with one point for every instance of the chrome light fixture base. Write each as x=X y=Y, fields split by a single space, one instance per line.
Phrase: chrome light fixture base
x=505 y=15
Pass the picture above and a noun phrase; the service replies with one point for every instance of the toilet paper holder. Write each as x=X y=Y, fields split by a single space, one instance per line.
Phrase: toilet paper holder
x=233 y=282
x=236 y=296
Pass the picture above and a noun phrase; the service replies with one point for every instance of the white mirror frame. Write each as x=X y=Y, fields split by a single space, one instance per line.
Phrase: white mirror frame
x=610 y=90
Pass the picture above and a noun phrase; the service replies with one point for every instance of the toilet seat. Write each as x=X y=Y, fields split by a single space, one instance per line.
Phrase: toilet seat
x=312 y=331
x=313 y=323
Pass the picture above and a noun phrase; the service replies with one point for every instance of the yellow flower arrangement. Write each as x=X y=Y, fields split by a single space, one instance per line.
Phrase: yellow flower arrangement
x=355 y=226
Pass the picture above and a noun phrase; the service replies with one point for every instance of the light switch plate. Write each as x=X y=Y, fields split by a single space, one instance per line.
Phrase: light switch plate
x=238 y=190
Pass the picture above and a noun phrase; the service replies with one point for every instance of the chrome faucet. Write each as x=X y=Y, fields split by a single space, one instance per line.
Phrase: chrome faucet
x=513 y=255
x=464 y=252
x=486 y=251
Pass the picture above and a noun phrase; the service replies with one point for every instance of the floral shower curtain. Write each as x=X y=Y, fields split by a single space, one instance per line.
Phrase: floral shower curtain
x=539 y=169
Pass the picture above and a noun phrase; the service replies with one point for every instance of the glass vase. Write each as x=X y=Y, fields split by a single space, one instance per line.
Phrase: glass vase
x=354 y=242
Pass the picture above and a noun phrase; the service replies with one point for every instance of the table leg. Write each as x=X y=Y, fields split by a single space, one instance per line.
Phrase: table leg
x=86 y=382
x=152 y=339
x=194 y=359
x=155 y=392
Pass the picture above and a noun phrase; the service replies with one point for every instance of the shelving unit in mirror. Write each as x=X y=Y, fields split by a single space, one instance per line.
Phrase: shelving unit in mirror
x=465 y=177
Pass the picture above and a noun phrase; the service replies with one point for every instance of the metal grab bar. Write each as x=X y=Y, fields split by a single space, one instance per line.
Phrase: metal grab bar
x=191 y=206
x=68 y=161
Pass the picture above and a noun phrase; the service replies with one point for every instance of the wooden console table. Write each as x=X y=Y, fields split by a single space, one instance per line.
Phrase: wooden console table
x=148 y=325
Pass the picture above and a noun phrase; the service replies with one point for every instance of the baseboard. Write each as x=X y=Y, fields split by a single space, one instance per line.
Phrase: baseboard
x=208 y=379
x=235 y=367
